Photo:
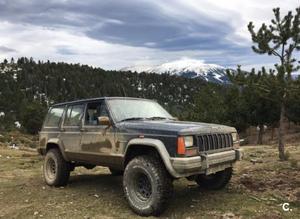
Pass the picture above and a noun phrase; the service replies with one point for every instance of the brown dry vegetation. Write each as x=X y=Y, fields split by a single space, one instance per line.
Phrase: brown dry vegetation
x=261 y=183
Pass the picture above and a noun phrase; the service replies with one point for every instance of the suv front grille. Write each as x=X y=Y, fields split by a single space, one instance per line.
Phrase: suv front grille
x=208 y=142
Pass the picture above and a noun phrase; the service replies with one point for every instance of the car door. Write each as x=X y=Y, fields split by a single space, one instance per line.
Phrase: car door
x=70 y=130
x=97 y=140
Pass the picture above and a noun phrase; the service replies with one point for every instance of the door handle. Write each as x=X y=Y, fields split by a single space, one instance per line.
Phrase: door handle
x=83 y=130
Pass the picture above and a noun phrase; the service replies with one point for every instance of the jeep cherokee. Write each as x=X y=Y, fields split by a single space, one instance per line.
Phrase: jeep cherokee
x=139 y=139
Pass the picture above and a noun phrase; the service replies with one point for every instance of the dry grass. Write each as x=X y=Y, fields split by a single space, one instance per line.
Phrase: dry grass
x=260 y=184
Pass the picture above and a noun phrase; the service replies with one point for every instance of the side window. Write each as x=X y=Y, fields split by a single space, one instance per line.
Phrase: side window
x=93 y=111
x=54 y=117
x=74 y=115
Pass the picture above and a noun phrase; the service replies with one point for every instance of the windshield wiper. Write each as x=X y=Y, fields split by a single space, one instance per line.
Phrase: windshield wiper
x=143 y=118
x=132 y=118
x=157 y=118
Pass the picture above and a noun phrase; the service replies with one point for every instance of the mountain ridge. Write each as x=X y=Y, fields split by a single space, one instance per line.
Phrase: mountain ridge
x=189 y=68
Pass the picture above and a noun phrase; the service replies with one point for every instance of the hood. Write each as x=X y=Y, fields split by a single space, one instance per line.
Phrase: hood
x=176 y=127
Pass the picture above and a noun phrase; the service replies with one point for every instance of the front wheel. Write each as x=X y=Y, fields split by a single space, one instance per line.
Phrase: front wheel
x=147 y=185
x=56 y=170
x=214 y=181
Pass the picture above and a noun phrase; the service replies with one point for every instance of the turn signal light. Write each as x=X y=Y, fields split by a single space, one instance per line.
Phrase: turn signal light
x=180 y=146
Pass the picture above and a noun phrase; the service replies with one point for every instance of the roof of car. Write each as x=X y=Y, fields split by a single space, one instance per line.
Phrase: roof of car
x=97 y=98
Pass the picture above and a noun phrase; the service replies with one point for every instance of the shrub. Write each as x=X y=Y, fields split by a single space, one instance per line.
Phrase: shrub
x=32 y=117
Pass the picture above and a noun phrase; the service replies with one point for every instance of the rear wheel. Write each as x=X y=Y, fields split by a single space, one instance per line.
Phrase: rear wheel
x=214 y=181
x=56 y=170
x=147 y=185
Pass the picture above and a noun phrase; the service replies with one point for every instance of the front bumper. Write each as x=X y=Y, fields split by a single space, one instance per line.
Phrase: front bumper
x=206 y=163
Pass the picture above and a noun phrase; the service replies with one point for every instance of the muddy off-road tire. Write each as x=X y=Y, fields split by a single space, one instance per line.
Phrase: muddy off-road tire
x=214 y=181
x=56 y=170
x=116 y=172
x=147 y=185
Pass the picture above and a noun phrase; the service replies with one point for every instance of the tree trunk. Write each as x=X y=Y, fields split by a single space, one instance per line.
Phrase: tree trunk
x=281 y=133
x=260 y=134
x=272 y=133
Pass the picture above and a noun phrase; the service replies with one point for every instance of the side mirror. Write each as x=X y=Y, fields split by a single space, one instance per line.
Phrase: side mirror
x=104 y=120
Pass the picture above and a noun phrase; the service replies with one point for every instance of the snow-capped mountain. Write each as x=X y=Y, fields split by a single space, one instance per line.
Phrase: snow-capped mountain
x=189 y=68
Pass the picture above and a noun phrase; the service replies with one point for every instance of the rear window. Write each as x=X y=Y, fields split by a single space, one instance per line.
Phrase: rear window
x=54 y=117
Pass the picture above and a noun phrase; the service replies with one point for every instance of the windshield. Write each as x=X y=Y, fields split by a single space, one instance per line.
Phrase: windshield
x=132 y=109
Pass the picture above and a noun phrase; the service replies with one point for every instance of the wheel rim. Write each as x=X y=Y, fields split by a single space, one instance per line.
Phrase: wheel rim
x=51 y=168
x=143 y=188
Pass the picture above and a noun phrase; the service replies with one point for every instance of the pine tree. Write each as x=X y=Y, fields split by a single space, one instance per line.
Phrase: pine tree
x=280 y=39
x=208 y=102
x=293 y=110
x=257 y=90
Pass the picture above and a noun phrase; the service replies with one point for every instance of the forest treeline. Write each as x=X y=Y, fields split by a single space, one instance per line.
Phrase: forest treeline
x=28 y=88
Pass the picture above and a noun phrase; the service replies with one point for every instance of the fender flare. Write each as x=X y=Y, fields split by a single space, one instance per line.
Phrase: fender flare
x=161 y=149
x=57 y=142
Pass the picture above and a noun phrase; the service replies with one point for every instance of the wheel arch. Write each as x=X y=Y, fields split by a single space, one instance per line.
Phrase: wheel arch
x=54 y=143
x=142 y=146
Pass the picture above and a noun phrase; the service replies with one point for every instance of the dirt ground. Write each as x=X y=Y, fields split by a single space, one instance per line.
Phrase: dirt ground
x=259 y=187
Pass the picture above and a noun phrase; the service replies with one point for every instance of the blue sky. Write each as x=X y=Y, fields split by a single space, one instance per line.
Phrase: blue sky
x=113 y=34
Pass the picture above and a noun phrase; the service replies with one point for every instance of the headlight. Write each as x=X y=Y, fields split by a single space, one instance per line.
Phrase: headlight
x=188 y=141
x=235 y=137
x=185 y=146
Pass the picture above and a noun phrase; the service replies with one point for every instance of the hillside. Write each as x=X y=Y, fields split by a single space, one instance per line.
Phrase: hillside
x=28 y=88
x=25 y=81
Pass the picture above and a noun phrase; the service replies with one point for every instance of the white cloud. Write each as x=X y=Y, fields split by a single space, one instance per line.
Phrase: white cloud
x=69 y=44
x=237 y=13
x=46 y=44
